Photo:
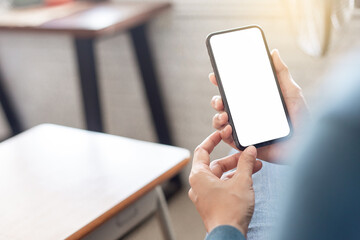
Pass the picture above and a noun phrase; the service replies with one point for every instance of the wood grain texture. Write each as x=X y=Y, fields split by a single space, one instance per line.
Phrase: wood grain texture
x=81 y=19
x=61 y=183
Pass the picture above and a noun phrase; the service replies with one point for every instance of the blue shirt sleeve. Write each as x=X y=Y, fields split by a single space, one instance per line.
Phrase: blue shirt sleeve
x=324 y=199
x=225 y=232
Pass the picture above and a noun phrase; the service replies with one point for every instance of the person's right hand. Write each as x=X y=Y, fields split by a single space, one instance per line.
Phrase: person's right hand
x=221 y=198
x=294 y=101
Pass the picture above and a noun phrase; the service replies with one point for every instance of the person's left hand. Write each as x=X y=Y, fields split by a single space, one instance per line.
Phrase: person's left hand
x=228 y=199
x=295 y=103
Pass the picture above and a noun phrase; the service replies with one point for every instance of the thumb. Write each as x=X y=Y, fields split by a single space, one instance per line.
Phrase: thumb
x=279 y=64
x=247 y=161
x=282 y=71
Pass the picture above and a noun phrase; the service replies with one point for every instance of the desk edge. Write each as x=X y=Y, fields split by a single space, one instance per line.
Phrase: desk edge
x=81 y=33
x=127 y=202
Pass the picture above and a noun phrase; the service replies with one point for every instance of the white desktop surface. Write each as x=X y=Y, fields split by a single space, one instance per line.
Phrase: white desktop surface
x=58 y=182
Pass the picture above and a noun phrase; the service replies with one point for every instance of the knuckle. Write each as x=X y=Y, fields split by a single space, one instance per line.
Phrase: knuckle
x=191 y=179
x=216 y=164
x=297 y=90
x=189 y=192
x=192 y=195
x=285 y=68
x=213 y=163
x=197 y=149
x=249 y=180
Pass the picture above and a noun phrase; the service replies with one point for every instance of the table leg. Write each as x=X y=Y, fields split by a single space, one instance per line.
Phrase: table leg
x=163 y=214
x=86 y=60
x=150 y=82
x=9 y=110
x=154 y=97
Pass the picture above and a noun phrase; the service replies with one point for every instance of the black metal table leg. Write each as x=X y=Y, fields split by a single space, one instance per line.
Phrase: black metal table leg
x=154 y=97
x=89 y=84
x=150 y=82
x=9 y=110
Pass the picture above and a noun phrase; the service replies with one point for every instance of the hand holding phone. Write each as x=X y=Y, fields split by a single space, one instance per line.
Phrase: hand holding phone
x=293 y=98
x=249 y=86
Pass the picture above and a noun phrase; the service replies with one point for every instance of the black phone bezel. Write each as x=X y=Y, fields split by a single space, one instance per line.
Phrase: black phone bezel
x=222 y=93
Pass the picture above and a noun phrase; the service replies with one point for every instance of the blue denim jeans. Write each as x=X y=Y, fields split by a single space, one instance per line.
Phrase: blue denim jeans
x=269 y=186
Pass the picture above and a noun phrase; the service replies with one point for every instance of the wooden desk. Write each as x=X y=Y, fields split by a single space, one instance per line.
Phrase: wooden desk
x=57 y=182
x=86 y=22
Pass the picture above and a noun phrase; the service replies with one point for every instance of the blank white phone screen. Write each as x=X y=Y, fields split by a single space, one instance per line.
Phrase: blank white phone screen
x=250 y=87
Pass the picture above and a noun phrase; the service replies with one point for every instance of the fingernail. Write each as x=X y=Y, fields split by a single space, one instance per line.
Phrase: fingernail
x=251 y=150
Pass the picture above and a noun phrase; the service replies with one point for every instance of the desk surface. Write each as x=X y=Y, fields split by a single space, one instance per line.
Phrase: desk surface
x=58 y=182
x=81 y=19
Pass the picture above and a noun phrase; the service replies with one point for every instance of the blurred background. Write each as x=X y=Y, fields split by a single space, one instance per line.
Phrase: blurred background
x=40 y=73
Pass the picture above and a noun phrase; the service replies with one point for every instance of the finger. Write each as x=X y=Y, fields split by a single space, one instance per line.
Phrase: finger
x=246 y=163
x=227 y=176
x=226 y=136
x=217 y=103
x=212 y=79
x=282 y=71
x=279 y=64
x=258 y=166
x=220 y=120
x=202 y=152
x=220 y=166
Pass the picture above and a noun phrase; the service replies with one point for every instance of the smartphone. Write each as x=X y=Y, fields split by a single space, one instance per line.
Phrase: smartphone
x=248 y=86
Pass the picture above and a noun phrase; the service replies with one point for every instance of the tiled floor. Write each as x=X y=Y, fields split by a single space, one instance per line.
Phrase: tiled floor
x=186 y=222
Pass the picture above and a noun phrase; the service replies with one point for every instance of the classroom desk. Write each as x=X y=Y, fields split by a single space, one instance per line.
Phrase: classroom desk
x=86 y=22
x=62 y=183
